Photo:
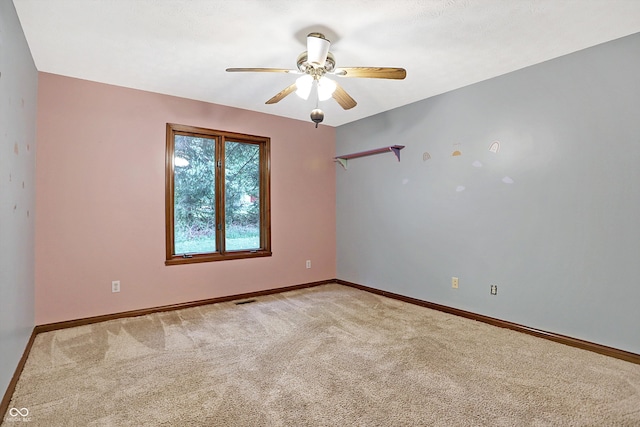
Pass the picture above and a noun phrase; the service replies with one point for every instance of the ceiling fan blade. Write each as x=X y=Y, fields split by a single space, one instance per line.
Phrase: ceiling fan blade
x=372 y=72
x=262 y=70
x=343 y=98
x=284 y=92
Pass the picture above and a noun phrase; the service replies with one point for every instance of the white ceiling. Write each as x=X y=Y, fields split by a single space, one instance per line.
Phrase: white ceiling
x=182 y=47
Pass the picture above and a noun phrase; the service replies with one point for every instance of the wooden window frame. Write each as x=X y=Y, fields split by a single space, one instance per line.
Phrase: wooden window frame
x=265 y=195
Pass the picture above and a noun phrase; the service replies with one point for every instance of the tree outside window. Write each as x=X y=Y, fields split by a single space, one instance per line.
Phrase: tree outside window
x=217 y=195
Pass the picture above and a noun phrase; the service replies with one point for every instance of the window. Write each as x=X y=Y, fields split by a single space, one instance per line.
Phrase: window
x=217 y=195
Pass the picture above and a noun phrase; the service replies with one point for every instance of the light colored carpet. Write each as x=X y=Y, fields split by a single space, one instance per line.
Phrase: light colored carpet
x=326 y=356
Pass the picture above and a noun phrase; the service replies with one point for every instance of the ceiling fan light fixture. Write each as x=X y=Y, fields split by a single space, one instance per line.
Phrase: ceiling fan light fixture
x=326 y=87
x=303 y=86
x=317 y=49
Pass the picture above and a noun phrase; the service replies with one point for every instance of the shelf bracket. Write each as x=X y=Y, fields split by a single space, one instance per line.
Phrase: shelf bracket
x=396 y=150
x=342 y=162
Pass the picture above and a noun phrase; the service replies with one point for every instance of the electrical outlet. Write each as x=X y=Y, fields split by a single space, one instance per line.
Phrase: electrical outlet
x=494 y=289
x=454 y=282
x=308 y=263
x=115 y=286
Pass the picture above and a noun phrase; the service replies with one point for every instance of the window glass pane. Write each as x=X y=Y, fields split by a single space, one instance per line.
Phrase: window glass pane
x=242 y=196
x=194 y=195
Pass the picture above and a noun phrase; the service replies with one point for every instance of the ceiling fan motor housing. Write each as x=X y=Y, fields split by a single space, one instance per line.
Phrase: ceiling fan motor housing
x=317 y=49
x=306 y=67
x=317 y=59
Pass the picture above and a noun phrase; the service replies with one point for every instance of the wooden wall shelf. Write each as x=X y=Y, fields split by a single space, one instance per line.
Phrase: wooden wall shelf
x=395 y=149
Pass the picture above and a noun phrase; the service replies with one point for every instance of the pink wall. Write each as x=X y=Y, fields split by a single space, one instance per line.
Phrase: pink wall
x=100 y=201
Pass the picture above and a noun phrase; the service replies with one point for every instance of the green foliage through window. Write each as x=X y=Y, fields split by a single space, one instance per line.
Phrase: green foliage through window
x=242 y=195
x=194 y=195
x=217 y=195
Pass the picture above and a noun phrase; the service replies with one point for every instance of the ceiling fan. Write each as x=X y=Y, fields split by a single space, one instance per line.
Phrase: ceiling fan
x=315 y=64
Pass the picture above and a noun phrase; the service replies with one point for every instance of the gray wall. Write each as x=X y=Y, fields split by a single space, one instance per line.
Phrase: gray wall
x=18 y=98
x=562 y=241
